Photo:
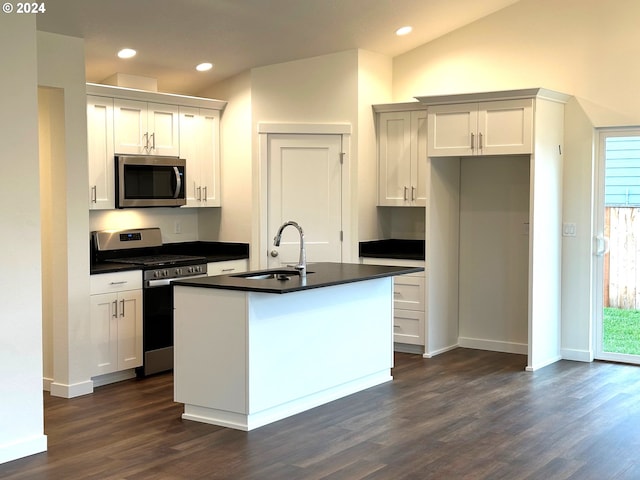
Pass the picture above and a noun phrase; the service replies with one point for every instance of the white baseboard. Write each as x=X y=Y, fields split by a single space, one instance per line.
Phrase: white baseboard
x=23 y=448
x=576 y=355
x=538 y=366
x=71 y=391
x=493 y=345
x=114 y=377
x=408 y=348
x=46 y=384
x=433 y=353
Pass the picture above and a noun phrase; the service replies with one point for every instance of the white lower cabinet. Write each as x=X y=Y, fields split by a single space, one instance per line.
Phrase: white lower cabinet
x=227 y=267
x=408 y=301
x=116 y=321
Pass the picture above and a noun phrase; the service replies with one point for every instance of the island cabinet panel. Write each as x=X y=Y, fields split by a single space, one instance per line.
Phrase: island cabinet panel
x=244 y=359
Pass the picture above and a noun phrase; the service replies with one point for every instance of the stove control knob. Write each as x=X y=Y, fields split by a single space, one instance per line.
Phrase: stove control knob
x=156 y=274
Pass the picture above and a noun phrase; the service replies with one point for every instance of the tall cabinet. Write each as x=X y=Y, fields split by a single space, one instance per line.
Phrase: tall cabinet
x=493 y=222
x=488 y=169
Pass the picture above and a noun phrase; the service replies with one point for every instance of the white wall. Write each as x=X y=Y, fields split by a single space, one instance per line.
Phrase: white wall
x=232 y=222
x=579 y=47
x=21 y=408
x=374 y=86
x=61 y=66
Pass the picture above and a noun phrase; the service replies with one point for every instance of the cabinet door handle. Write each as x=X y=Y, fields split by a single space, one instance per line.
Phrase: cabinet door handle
x=204 y=193
x=146 y=140
x=115 y=309
x=405 y=193
x=199 y=196
x=472 y=140
x=413 y=193
x=122 y=307
x=153 y=141
x=480 y=141
x=94 y=194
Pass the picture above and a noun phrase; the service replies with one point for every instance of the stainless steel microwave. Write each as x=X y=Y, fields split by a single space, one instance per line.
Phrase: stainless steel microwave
x=150 y=181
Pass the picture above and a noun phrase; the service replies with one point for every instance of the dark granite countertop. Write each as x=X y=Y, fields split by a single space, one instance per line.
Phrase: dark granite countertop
x=318 y=275
x=393 y=248
x=212 y=251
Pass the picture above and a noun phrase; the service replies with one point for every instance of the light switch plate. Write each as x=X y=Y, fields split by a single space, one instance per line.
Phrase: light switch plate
x=568 y=229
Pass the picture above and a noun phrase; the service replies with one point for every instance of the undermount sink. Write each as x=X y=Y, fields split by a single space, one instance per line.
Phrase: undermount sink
x=280 y=274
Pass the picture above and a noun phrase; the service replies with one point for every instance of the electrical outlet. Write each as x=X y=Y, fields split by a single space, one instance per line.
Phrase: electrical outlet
x=177 y=227
x=568 y=229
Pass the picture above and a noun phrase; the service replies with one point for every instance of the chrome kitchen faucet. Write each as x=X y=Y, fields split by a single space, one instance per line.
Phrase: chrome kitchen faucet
x=302 y=262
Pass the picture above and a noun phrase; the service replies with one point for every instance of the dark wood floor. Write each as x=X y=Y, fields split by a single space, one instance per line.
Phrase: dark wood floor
x=466 y=414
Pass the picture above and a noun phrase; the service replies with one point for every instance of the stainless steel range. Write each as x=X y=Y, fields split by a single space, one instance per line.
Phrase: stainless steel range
x=143 y=247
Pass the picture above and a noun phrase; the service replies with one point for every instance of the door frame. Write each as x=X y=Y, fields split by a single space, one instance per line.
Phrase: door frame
x=260 y=180
x=600 y=244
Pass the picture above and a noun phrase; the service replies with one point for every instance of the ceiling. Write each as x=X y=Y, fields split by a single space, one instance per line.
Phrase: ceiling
x=173 y=36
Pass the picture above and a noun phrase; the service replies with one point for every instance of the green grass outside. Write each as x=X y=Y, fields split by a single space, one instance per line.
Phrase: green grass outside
x=621 y=331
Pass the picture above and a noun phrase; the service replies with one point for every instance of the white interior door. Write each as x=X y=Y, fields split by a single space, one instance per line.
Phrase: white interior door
x=305 y=185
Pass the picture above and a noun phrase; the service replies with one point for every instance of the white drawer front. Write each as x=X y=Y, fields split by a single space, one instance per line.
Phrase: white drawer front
x=115 y=282
x=227 y=267
x=408 y=327
x=408 y=292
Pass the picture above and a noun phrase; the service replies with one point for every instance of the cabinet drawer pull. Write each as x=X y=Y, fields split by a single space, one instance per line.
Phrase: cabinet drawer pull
x=122 y=282
x=228 y=269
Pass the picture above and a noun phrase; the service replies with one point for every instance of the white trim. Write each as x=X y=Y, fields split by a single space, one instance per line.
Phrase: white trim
x=23 y=448
x=533 y=368
x=577 y=355
x=71 y=391
x=113 y=377
x=433 y=353
x=493 y=345
x=305 y=128
x=408 y=348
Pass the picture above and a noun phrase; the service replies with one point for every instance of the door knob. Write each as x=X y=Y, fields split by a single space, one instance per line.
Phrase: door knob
x=273 y=253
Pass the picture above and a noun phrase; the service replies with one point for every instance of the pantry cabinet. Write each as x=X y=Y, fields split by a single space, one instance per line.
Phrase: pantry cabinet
x=100 y=152
x=146 y=128
x=402 y=157
x=127 y=121
x=116 y=321
x=503 y=127
x=199 y=145
x=493 y=223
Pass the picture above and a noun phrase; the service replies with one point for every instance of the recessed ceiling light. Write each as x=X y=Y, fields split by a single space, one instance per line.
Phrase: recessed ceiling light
x=203 y=67
x=127 y=53
x=404 y=31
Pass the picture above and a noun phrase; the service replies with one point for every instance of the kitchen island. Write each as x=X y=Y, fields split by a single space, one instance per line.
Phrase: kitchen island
x=254 y=348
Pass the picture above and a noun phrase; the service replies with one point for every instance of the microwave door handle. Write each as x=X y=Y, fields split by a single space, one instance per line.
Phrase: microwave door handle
x=178 y=182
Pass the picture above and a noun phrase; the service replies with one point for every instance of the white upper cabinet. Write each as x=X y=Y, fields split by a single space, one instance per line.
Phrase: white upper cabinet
x=126 y=121
x=502 y=127
x=100 y=152
x=146 y=128
x=402 y=157
x=199 y=145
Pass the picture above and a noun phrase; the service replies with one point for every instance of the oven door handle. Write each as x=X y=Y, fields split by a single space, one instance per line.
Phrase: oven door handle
x=167 y=281
x=178 y=182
